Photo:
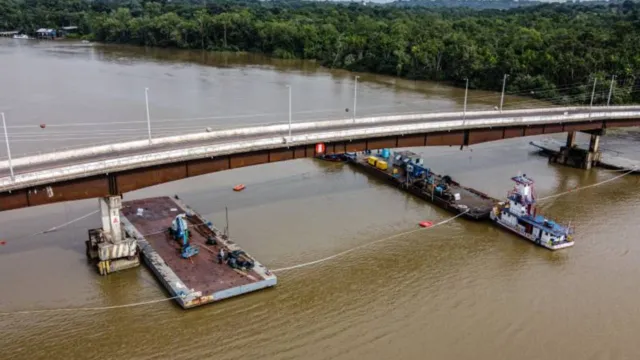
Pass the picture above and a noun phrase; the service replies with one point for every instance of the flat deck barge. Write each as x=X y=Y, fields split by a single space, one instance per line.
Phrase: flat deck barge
x=455 y=198
x=200 y=279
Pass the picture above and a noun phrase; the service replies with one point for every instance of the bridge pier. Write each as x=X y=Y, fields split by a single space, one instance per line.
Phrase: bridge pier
x=109 y=247
x=572 y=155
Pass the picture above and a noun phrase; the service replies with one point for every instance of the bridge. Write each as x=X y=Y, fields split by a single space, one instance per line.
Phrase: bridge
x=112 y=170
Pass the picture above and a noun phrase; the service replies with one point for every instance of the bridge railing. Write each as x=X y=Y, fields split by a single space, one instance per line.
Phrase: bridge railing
x=170 y=156
x=279 y=128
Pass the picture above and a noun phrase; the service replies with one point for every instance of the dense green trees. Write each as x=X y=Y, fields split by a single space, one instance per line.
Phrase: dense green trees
x=556 y=49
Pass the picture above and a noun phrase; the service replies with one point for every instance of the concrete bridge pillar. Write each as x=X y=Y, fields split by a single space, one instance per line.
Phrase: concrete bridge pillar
x=571 y=139
x=594 y=144
x=572 y=155
x=110 y=212
x=109 y=247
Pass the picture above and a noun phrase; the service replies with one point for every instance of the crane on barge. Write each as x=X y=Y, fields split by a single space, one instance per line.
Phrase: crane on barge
x=180 y=232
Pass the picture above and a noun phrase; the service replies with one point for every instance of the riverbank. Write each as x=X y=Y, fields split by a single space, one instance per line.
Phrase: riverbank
x=423 y=44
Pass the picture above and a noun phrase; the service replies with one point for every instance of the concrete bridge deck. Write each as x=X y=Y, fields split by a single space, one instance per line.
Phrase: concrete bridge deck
x=96 y=153
x=119 y=168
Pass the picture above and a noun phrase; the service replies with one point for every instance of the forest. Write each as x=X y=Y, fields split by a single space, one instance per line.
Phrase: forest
x=551 y=51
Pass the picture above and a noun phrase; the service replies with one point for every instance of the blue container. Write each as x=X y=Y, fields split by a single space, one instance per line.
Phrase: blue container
x=386 y=153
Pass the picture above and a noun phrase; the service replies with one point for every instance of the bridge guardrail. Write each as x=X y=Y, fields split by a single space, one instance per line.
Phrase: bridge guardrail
x=275 y=129
x=168 y=156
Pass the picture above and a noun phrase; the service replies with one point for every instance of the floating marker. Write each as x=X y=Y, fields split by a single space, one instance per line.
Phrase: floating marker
x=426 y=224
x=2 y=242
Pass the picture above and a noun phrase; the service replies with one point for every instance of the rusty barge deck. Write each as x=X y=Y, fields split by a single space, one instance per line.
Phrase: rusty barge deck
x=197 y=280
x=473 y=204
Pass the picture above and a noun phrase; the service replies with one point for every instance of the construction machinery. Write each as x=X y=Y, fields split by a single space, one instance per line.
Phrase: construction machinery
x=180 y=232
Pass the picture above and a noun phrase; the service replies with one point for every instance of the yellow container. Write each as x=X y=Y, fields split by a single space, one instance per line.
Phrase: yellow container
x=395 y=171
x=372 y=160
x=382 y=165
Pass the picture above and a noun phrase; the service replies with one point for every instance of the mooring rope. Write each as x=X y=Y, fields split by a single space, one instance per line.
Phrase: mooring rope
x=95 y=308
x=310 y=263
x=585 y=187
x=367 y=244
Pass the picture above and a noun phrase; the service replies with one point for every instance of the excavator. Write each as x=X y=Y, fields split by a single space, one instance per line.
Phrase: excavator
x=180 y=232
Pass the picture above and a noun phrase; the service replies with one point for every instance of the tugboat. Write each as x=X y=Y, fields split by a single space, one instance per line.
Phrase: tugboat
x=519 y=215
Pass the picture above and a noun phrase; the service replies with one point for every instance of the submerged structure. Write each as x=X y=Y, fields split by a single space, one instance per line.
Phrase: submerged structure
x=519 y=214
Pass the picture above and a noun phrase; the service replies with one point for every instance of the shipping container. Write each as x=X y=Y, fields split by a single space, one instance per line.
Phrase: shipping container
x=382 y=165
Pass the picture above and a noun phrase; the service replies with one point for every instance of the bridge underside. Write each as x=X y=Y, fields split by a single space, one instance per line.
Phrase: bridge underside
x=121 y=182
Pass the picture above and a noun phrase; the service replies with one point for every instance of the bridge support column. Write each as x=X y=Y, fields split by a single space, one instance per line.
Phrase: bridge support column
x=571 y=139
x=594 y=144
x=109 y=247
x=573 y=156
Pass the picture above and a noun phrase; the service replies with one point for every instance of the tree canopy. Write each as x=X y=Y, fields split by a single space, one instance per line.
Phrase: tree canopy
x=556 y=49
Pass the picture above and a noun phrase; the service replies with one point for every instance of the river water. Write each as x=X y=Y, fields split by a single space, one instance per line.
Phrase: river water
x=462 y=290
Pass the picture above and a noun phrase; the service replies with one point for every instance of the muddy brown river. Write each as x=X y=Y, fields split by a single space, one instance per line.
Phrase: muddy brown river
x=462 y=290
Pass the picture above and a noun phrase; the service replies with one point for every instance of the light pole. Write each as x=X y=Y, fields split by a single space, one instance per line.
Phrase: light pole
x=613 y=78
x=146 y=99
x=355 y=97
x=504 y=84
x=6 y=139
x=593 y=93
x=466 y=91
x=289 y=87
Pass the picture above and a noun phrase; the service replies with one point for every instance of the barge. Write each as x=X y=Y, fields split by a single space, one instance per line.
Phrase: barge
x=519 y=215
x=201 y=275
x=334 y=157
x=405 y=170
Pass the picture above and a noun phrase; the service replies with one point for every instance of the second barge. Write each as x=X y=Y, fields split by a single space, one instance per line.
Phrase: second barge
x=200 y=278
x=405 y=170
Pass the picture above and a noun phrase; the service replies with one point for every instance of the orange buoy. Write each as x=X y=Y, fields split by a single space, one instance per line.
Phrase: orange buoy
x=238 y=187
x=426 y=224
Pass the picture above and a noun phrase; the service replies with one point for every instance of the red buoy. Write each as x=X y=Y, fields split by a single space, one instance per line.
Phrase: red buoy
x=42 y=126
x=2 y=242
x=426 y=224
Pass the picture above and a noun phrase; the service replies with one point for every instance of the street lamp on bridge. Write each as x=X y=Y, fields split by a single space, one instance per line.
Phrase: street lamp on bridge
x=6 y=139
x=355 y=97
x=466 y=91
x=504 y=84
x=146 y=99
x=289 y=87
x=613 y=79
